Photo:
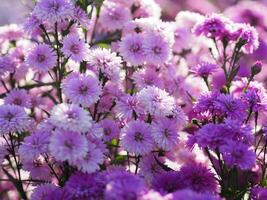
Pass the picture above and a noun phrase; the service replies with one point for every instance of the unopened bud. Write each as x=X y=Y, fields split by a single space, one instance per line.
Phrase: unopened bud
x=256 y=68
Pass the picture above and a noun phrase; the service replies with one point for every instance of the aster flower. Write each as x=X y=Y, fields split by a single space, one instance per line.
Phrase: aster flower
x=198 y=178
x=227 y=105
x=92 y=159
x=167 y=182
x=52 y=11
x=82 y=89
x=82 y=186
x=188 y=194
x=34 y=145
x=18 y=97
x=149 y=168
x=70 y=117
x=165 y=133
x=238 y=154
x=255 y=99
x=11 y=32
x=41 y=57
x=127 y=107
x=106 y=62
x=156 y=48
x=7 y=64
x=32 y=25
x=111 y=129
x=68 y=146
x=214 y=26
x=81 y=17
x=258 y=193
x=249 y=36
x=13 y=118
x=75 y=48
x=136 y=138
x=114 y=15
x=204 y=69
x=123 y=186
x=58 y=194
x=156 y=101
x=42 y=191
x=132 y=49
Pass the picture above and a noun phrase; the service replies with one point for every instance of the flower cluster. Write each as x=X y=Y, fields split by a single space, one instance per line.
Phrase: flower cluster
x=106 y=100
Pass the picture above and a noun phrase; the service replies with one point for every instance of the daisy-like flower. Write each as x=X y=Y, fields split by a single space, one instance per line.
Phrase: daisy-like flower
x=204 y=69
x=106 y=62
x=82 y=17
x=42 y=191
x=90 y=162
x=113 y=15
x=156 y=101
x=156 y=48
x=82 y=89
x=75 y=48
x=187 y=194
x=41 y=57
x=71 y=117
x=68 y=146
x=132 y=49
x=127 y=107
x=7 y=64
x=238 y=154
x=52 y=11
x=19 y=98
x=34 y=145
x=165 y=133
x=136 y=138
x=13 y=118
x=198 y=178
x=110 y=128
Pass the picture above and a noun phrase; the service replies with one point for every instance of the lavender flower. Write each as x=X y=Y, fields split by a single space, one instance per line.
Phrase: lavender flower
x=19 y=98
x=13 y=119
x=41 y=57
x=136 y=138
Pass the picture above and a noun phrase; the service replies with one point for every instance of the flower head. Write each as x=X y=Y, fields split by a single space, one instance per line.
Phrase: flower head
x=68 y=146
x=204 y=69
x=136 y=138
x=41 y=57
x=81 y=89
x=18 y=97
x=13 y=118
x=75 y=48
x=71 y=117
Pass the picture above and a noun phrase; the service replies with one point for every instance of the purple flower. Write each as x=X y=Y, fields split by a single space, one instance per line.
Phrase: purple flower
x=68 y=146
x=7 y=64
x=213 y=26
x=156 y=101
x=82 y=17
x=227 y=105
x=82 y=186
x=58 y=194
x=105 y=62
x=165 y=133
x=255 y=99
x=132 y=49
x=113 y=16
x=19 y=98
x=41 y=57
x=52 y=11
x=127 y=107
x=13 y=118
x=34 y=145
x=167 y=182
x=122 y=186
x=91 y=161
x=198 y=178
x=82 y=89
x=71 y=117
x=238 y=154
x=156 y=48
x=188 y=194
x=204 y=69
x=111 y=129
x=136 y=138
x=75 y=48
x=32 y=25
x=258 y=193
x=42 y=191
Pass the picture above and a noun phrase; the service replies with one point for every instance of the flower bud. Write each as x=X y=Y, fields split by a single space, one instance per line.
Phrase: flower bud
x=256 y=68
